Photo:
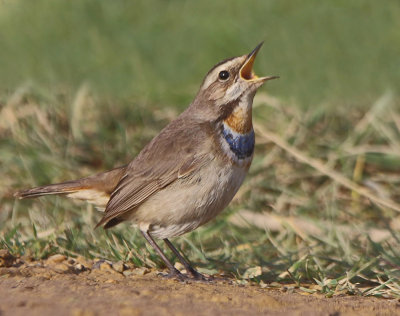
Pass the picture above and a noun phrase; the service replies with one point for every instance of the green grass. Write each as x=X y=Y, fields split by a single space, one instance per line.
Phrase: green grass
x=333 y=52
x=85 y=85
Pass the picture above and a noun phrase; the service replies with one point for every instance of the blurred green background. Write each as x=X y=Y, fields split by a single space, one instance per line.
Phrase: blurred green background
x=327 y=52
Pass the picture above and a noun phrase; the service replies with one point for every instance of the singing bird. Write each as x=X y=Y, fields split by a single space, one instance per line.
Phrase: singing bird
x=189 y=172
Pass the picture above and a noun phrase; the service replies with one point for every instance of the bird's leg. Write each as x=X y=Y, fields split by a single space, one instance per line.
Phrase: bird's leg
x=189 y=269
x=173 y=272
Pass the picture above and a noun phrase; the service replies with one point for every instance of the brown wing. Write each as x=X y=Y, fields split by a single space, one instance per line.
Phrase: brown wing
x=178 y=151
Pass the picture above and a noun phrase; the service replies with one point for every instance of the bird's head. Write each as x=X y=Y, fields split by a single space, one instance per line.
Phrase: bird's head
x=227 y=84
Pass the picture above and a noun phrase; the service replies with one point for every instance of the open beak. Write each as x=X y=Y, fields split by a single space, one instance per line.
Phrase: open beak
x=247 y=73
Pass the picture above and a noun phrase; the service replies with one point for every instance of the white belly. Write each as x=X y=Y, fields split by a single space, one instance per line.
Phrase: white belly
x=188 y=203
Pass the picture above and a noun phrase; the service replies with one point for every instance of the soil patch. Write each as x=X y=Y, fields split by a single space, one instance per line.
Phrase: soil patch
x=62 y=286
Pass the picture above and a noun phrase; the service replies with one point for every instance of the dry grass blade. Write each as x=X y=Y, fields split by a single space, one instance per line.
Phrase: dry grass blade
x=304 y=227
x=322 y=168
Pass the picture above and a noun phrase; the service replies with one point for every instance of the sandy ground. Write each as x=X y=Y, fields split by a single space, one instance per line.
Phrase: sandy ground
x=62 y=286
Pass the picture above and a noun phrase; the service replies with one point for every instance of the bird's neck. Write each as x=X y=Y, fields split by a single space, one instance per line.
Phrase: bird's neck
x=240 y=119
x=237 y=132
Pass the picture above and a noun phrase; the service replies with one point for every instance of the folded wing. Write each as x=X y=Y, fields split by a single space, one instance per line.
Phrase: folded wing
x=172 y=155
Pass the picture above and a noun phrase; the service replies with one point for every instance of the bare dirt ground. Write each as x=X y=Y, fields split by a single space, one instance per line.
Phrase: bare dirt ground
x=63 y=286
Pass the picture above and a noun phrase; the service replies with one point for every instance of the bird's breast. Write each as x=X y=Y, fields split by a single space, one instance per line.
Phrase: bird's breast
x=237 y=136
x=240 y=145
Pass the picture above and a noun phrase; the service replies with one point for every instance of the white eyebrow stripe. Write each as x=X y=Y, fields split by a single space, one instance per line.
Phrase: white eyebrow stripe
x=213 y=75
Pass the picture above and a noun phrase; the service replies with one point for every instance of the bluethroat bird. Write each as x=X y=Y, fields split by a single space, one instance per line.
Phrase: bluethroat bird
x=189 y=172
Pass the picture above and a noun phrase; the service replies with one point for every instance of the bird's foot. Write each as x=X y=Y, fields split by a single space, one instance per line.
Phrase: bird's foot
x=199 y=277
x=192 y=275
x=175 y=274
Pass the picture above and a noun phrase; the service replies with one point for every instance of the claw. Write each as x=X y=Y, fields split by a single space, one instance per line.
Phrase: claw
x=197 y=276
x=175 y=274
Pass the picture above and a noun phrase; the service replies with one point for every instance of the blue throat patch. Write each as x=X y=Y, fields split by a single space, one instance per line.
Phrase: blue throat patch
x=241 y=145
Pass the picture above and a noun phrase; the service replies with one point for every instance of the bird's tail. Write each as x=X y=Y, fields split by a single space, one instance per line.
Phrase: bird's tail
x=59 y=188
x=94 y=189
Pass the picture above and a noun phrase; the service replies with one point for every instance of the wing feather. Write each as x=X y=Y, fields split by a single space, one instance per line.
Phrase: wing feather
x=171 y=155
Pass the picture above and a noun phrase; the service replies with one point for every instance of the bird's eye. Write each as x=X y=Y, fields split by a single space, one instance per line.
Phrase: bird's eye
x=223 y=75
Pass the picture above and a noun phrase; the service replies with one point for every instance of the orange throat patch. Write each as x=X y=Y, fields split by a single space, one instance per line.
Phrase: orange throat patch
x=240 y=120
